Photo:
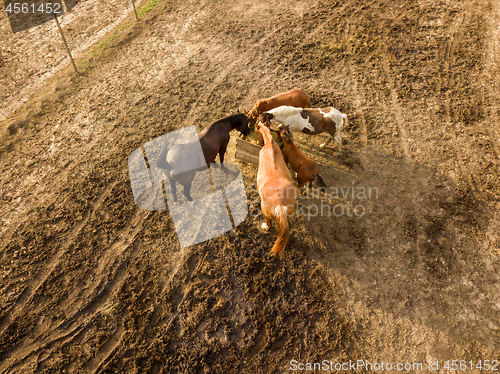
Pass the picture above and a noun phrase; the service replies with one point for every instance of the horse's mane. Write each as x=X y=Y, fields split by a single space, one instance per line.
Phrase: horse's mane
x=269 y=137
x=261 y=102
x=234 y=119
x=285 y=110
x=255 y=111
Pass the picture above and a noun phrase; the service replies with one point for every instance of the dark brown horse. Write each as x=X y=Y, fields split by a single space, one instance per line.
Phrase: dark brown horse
x=181 y=162
x=307 y=170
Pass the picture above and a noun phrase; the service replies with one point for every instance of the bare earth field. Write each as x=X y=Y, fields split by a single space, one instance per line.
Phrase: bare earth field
x=92 y=284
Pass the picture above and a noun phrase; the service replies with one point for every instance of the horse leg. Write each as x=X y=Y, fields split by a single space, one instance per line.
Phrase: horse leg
x=167 y=174
x=338 y=140
x=221 y=158
x=331 y=128
x=186 y=179
x=326 y=142
x=173 y=187
x=187 y=191
x=222 y=151
x=266 y=211
x=339 y=144
x=266 y=225
x=301 y=182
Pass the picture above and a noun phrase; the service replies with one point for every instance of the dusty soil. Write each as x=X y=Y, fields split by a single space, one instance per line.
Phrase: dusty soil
x=28 y=59
x=90 y=283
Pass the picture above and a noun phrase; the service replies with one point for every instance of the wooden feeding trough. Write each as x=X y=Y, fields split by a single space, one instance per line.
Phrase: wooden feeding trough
x=248 y=152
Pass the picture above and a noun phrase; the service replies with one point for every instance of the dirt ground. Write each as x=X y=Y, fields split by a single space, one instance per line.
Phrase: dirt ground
x=90 y=283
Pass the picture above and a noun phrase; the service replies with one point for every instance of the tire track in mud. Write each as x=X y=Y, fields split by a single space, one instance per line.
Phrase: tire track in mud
x=491 y=76
x=358 y=95
x=85 y=313
x=419 y=188
x=44 y=270
x=42 y=275
x=108 y=289
x=449 y=59
x=45 y=352
x=110 y=258
x=58 y=173
x=396 y=106
x=105 y=352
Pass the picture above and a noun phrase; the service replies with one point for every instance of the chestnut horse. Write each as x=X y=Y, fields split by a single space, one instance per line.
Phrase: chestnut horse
x=294 y=97
x=276 y=189
x=307 y=170
x=311 y=121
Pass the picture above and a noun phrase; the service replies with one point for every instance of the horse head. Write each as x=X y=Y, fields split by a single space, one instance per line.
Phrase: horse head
x=243 y=124
x=285 y=134
x=252 y=116
x=265 y=118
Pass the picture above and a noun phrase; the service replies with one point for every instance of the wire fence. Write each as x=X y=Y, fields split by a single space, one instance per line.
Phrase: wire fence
x=32 y=51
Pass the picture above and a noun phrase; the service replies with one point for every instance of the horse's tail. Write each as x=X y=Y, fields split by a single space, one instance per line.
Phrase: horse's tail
x=319 y=181
x=345 y=122
x=281 y=215
x=340 y=126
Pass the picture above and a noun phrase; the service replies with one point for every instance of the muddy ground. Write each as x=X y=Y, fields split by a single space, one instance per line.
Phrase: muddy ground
x=90 y=283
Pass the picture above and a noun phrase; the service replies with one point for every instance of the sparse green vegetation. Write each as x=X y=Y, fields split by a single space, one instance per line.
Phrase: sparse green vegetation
x=146 y=8
x=95 y=50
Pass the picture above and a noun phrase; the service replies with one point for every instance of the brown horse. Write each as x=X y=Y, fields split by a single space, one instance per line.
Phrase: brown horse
x=307 y=170
x=310 y=121
x=181 y=161
x=294 y=97
x=276 y=189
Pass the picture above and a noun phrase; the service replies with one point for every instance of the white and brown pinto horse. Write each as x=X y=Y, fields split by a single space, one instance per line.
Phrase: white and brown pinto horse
x=276 y=189
x=310 y=121
x=293 y=97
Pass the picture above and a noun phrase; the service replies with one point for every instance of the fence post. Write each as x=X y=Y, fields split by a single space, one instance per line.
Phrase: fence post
x=135 y=10
x=65 y=43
